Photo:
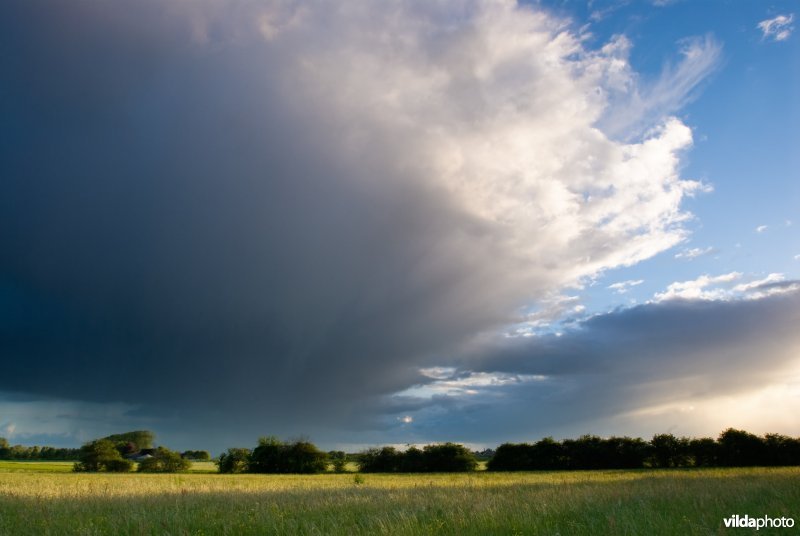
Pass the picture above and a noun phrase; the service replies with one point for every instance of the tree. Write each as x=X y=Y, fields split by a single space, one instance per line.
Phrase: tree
x=198 y=455
x=164 y=460
x=19 y=452
x=781 y=450
x=449 y=458
x=382 y=460
x=267 y=456
x=738 y=448
x=512 y=457
x=627 y=452
x=128 y=448
x=132 y=442
x=304 y=457
x=120 y=465
x=235 y=460
x=339 y=460
x=669 y=451
x=548 y=454
x=704 y=452
x=586 y=452
x=412 y=461
x=142 y=439
x=101 y=455
x=275 y=456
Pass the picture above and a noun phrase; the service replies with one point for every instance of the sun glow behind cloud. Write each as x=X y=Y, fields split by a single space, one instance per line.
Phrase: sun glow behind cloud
x=753 y=410
x=690 y=365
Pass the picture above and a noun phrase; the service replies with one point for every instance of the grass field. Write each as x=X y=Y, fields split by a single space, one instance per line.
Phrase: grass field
x=45 y=498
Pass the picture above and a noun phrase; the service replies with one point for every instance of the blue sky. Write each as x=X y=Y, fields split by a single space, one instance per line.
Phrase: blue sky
x=398 y=222
x=744 y=116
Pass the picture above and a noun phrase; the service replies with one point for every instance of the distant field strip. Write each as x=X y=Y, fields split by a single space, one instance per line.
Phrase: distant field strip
x=664 y=502
x=16 y=466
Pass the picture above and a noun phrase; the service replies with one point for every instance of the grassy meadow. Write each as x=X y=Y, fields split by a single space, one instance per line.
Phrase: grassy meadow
x=46 y=498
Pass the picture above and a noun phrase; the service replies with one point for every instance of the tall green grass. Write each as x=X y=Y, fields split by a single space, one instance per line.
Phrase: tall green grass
x=668 y=502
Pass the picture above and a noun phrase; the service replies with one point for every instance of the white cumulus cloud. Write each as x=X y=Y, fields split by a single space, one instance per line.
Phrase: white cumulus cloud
x=725 y=287
x=704 y=287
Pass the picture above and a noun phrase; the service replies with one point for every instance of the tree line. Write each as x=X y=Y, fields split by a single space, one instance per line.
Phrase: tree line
x=100 y=454
x=20 y=452
x=442 y=458
x=733 y=448
x=272 y=455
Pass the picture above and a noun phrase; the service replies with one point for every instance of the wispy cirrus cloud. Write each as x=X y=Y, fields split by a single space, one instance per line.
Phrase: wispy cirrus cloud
x=635 y=103
x=693 y=253
x=623 y=287
x=600 y=13
x=778 y=28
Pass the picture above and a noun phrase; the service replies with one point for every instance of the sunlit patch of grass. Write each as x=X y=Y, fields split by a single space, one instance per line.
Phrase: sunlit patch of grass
x=35 y=466
x=203 y=467
x=580 y=502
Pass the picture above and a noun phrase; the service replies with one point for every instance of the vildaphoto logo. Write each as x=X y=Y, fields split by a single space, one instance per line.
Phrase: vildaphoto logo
x=746 y=522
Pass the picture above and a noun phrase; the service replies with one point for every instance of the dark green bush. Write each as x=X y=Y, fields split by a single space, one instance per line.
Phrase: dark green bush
x=275 y=456
x=446 y=457
x=235 y=460
x=197 y=455
x=164 y=460
x=101 y=455
x=119 y=466
x=380 y=460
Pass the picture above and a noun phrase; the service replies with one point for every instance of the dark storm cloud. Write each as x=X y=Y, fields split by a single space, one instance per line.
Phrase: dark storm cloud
x=664 y=339
x=151 y=209
x=613 y=366
x=175 y=234
x=249 y=213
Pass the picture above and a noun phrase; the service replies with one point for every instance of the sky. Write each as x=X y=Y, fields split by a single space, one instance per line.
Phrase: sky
x=398 y=222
